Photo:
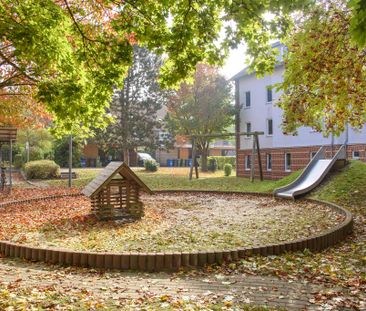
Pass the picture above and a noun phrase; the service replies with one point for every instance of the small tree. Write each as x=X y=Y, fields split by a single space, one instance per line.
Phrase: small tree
x=62 y=152
x=203 y=107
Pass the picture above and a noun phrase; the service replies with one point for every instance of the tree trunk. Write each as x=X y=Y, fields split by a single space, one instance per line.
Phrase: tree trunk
x=126 y=156
x=204 y=154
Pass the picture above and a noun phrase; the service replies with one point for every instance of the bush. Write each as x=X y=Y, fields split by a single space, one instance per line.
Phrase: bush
x=41 y=169
x=212 y=164
x=35 y=154
x=222 y=160
x=151 y=165
x=18 y=161
x=227 y=169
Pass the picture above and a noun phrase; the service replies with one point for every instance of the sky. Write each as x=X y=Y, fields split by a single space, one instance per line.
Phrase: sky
x=235 y=62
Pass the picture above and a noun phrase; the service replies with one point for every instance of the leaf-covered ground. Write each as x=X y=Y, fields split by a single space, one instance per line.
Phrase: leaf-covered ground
x=172 y=222
x=342 y=268
x=340 y=271
x=15 y=297
x=28 y=192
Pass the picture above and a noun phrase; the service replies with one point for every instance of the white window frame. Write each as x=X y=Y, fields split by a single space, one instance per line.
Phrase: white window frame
x=268 y=155
x=245 y=100
x=353 y=155
x=248 y=162
x=268 y=134
x=269 y=87
x=246 y=129
x=288 y=169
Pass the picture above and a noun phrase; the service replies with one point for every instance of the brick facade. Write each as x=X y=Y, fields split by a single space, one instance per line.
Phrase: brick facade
x=300 y=157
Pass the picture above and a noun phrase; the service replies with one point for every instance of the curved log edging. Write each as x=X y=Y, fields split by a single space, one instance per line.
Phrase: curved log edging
x=154 y=262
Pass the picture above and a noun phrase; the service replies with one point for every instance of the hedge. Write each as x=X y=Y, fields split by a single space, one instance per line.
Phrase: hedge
x=151 y=165
x=41 y=169
x=212 y=164
x=227 y=169
x=222 y=160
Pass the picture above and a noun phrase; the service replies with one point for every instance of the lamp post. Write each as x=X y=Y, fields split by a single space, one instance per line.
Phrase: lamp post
x=27 y=150
x=70 y=161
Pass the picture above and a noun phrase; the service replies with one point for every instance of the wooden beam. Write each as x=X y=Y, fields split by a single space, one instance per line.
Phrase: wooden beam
x=259 y=157
x=196 y=168
x=228 y=134
x=252 y=161
x=193 y=157
x=11 y=165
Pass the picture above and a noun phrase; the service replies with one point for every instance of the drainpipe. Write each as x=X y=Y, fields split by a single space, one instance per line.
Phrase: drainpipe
x=237 y=124
x=346 y=140
x=332 y=143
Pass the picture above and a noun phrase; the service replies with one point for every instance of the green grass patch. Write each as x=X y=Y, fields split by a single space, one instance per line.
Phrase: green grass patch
x=168 y=180
x=346 y=188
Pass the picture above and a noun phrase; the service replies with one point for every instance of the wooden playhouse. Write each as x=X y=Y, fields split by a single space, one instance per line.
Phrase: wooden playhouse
x=115 y=193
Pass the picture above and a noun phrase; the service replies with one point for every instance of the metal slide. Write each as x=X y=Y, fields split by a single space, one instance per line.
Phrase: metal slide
x=312 y=175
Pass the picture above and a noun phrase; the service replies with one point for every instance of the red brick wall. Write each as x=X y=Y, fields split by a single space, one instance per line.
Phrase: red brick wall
x=215 y=152
x=90 y=151
x=300 y=157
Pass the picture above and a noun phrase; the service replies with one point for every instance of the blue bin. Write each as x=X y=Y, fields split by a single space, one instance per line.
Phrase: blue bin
x=170 y=163
x=189 y=161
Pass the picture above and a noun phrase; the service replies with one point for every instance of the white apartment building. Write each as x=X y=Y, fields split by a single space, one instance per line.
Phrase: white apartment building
x=280 y=153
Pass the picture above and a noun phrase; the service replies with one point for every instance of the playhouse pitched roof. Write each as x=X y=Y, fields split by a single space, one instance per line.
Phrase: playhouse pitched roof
x=112 y=169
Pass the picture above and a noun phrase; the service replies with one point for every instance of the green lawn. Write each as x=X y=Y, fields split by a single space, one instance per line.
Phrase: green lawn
x=177 y=179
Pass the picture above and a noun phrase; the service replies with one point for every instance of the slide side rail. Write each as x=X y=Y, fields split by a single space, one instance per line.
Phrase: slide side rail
x=318 y=156
x=341 y=154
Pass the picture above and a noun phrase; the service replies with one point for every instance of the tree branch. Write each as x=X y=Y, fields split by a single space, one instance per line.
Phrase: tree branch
x=17 y=67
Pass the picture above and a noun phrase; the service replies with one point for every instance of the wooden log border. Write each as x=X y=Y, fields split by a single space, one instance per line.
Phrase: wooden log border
x=173 y=261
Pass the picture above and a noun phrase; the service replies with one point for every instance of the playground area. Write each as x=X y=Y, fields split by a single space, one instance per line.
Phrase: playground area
x=173 y=222
x=333 y=279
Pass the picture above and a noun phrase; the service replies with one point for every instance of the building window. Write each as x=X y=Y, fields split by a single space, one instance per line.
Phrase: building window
x=312 y=154
x=269 y=127
x=269 y=94
x=287 y=162
x=269 y=162
x=248 y=129
x=248 y=162
x=247 y=99
x=356 y=155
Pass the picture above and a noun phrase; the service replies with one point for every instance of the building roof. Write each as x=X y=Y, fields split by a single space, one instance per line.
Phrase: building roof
x=111 y=170
x=7 y=134
x=245 y=72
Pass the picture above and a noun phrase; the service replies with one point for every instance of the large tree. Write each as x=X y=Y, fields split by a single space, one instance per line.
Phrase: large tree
x=203 y=107
x=69 y=54
x=325 y=78
x=134 y=107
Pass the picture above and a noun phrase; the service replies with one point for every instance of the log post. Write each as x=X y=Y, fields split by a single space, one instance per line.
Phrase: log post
x=193 y=162
x=259 y=156
x=252 y=161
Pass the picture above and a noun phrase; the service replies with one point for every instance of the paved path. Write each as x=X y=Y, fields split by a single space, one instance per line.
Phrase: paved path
x=256 y=290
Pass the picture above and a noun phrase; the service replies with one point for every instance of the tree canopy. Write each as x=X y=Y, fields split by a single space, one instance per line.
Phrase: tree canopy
x=203 y=107
x=358 y=21
x=325 y=78
x=135 y=106
x=69 y=54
